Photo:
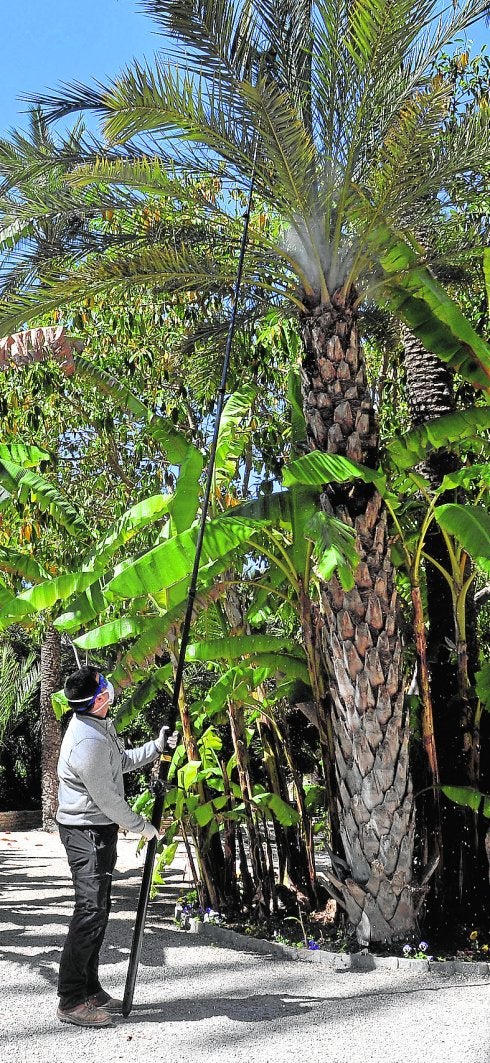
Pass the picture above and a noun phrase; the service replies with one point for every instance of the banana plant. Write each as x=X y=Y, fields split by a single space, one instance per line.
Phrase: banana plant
x=465 y=528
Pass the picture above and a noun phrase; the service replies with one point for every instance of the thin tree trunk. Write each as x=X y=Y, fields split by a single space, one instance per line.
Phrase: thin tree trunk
x=50 y=726
x=461 y=895
x=362 y=643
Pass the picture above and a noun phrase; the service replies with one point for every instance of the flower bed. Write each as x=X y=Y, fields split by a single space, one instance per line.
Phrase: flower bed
x=298 y=932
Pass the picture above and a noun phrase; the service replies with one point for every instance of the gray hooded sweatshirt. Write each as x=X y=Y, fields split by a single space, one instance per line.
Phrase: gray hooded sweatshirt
x=90 y=771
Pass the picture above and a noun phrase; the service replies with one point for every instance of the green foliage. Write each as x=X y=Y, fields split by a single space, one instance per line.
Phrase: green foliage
x=432 y=315
x=168 y=564
x=469 y=797
x=334 y=548
x=18 y=684
x=25 y=484
x=451 y=429
x=471 y=527
x=317 y=468
x=482 y=685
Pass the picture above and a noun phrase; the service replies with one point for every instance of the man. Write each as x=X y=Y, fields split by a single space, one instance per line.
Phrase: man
x=91 y=808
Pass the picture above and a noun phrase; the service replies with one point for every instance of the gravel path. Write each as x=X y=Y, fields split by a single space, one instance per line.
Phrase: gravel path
x=198 y=1003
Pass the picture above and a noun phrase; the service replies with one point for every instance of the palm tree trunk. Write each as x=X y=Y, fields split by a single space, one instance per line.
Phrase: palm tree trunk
x=50 y=727
x=362 y=645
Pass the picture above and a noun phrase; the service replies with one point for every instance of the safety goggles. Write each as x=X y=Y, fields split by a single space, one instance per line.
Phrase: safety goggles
x=88 y=702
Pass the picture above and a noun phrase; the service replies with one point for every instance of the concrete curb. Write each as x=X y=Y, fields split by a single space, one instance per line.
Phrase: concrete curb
x=339 y=961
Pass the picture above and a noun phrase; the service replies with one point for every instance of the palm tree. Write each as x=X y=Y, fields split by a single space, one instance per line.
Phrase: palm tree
x=332 y=108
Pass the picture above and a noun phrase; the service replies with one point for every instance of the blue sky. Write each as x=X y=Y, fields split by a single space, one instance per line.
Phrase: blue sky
x=46 y=42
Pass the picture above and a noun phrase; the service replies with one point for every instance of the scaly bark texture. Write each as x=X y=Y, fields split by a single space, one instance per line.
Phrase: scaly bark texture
x=362 y=643
x=50 y=726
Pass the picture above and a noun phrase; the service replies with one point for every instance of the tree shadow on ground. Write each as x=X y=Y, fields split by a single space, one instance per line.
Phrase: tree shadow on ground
x=262 y=1007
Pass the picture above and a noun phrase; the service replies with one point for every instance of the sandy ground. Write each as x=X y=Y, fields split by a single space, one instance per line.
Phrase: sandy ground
x=198 y=1002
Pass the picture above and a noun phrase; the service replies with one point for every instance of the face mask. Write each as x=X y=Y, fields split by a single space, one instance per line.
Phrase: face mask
x=111 y=692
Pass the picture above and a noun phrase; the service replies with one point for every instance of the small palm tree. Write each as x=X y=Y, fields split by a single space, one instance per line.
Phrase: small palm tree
x=334 y=110
x=19 y=680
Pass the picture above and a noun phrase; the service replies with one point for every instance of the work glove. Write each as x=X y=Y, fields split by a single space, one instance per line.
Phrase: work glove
x=166 y=740
x=149 y=831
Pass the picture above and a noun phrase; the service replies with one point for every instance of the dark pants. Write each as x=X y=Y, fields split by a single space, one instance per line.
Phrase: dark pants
x=91 y=853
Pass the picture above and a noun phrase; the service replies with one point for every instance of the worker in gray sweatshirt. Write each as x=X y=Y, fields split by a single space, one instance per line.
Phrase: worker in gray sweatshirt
x=91 y=808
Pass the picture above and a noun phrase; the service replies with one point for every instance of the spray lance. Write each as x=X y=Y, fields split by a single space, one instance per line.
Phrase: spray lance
x=166 y=756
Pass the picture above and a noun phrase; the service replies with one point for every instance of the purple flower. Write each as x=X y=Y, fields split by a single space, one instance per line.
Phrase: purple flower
x=313 y=946
x=423 y=946
x=406 y=949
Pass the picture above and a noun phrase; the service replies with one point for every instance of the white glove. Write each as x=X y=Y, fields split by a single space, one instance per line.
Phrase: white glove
x=166 y=740
x=149 y=831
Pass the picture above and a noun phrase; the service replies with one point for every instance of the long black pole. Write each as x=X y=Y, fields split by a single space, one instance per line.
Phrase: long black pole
x=156 y=818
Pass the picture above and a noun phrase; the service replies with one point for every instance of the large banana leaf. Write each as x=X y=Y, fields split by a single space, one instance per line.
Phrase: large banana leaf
x=238 y=681
x=282 y=664
x=116 y=631
x=44 y=596
x=317 y=468
x=25 y=485
x=172 y=561
x=265 y=601
x=144 y=692
x=20 y=454
x=9 y=605
x=240 y=646
x=151 y=640
x=415 y=295
x=470 y=525
x=231 y=437
x=139 y=516
x=22 y=565
x=234 y=685
x=91 y=603
x=335 y=549
x=186 y=497
x=290 y=509
x=413 y=446
x=465 y=477
x=284 y=813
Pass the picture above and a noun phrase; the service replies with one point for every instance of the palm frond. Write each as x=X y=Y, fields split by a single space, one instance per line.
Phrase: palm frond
x=18 y=682
x=223 y=36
